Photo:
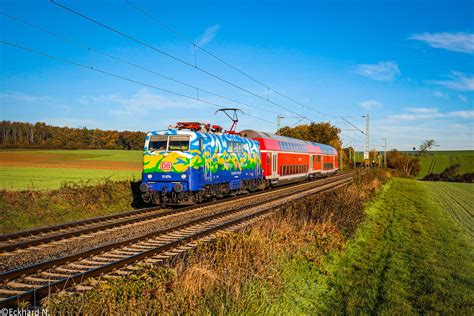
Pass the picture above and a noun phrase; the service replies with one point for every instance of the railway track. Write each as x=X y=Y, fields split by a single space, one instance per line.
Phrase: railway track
x=43 y=235
x=40 y=279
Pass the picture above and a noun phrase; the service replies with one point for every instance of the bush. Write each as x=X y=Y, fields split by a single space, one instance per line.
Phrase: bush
x=450 y=175
x=406 y=165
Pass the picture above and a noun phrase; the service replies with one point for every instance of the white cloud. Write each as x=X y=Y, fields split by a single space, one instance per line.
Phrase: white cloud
x=208 y=35
x=457 y=81
x=457 y=42
x=371 y=104
x=441 y=95
x=403 y=134
x=462 y=114
x=430 y=113
x=423 y=110
x=70 y=122
x=382 y=71
x=23 y=97
x=142 y=103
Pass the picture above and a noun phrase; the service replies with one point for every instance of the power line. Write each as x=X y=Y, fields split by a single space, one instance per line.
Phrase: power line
x=118 y=76
x=170 y=55
x=352 y=125
x=195 y=45
x=90 y=49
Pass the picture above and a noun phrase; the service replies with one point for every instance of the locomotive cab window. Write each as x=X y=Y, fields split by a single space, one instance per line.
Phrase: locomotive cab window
x=178 y=143
x=158 y=143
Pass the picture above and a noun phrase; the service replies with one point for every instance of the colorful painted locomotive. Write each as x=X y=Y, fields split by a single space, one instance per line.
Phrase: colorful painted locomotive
x=185 y=165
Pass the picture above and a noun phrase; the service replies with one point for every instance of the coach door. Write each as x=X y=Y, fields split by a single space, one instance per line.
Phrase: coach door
x=311 y=163
x=274 y=165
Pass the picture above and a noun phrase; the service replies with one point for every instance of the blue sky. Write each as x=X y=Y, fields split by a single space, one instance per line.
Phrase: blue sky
x=408 y=64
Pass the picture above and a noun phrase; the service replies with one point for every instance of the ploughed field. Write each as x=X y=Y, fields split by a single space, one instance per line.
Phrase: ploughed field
x=437 y=161
x=457 y=201
x=49 y=169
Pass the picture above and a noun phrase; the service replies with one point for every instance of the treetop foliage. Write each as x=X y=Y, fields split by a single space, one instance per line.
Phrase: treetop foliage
x=43 y=136
x=322 y=132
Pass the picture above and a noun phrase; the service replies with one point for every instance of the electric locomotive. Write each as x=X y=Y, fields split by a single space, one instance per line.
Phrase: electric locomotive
x=192 y=162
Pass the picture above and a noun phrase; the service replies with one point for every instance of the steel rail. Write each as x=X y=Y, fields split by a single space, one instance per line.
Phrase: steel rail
x=127 y=218
x=8 y=275
x=79 y=277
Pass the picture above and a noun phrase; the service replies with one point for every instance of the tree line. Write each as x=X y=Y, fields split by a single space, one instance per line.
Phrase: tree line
x=43 y=136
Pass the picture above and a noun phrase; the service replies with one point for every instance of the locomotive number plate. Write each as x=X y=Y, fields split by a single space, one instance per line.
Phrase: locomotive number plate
x=166 y=166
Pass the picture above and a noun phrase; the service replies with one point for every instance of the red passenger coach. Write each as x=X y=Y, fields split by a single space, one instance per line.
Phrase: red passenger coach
x=286 y=159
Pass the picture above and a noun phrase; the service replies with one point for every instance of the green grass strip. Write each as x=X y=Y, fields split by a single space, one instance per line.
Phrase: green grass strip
x=409 y=257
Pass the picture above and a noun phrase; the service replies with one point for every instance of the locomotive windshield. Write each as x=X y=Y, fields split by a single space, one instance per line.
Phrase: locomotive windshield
x=178 y=143
x=168 y=143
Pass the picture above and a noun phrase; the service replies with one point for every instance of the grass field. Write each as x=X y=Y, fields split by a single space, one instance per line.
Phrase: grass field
x=437 y=161
x=47 y=169
x=409 y=257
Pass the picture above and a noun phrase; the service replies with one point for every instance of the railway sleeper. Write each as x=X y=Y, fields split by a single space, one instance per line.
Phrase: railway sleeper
x=112 y=256
x=82 y=288
x=19 y=285
x=125 y=252
x=135 y=248
x=95 y=261
x=83 y=266
x=68 y=270
x=8 y=292
x=140 y=246
x=37 y=280
x=58 y=276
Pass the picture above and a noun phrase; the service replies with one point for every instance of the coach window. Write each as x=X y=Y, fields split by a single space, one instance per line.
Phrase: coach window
x=230 y=147
x=241 y=148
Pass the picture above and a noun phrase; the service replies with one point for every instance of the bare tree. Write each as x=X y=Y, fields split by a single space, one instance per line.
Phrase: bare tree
x=426 y=146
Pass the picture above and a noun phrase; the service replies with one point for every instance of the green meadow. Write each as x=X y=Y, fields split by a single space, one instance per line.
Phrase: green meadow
x=49 y=169
x=437 y=161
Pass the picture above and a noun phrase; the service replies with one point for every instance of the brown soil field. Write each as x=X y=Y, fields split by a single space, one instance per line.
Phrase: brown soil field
x=53 y=160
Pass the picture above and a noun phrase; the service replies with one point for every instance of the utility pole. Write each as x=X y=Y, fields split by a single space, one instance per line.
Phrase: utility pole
x=340 y=159
x=367 y=144
x=354 y=157
x=385 y=153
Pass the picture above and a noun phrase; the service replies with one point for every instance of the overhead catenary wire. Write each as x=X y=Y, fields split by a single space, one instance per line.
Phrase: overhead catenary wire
x=352 y=125
x=138 y=41
x=30 y=50
x=195 y=45
x=90 y=49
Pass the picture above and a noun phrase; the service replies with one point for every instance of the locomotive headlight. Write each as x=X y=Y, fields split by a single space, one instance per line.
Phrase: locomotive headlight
x=183 y=176
x=144 y=187
x=150 y=176
x=178 y=187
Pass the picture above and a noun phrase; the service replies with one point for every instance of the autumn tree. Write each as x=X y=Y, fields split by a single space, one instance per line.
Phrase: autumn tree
x=41 y=135
x=322 y=132
x=407 y=164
